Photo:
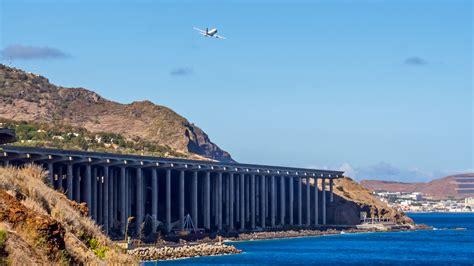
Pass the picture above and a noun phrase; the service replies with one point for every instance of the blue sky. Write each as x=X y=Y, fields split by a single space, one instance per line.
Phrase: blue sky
x=381 y=89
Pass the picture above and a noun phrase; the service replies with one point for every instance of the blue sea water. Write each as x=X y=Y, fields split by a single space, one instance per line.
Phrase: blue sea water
x=438 y=247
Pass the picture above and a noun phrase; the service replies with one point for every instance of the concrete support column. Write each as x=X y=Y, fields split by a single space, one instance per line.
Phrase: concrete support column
x=237 y=198
x=308 y=202
x=70 y=180
x=181 y=199
x=273 y=203
x=194 y=197
x=140 y=205
x=262 y=201
x=231 y=201
x=207 y=202
x=123 y=206
x=324 y=200
x=242 y=201
x=247 y=199
x=227 y=200
x=77 y=184
x=51 y=174
x=87 y=187
x=331 y=193
x=154 y=197
x=97 y=196
x=60 y=179
x=105 y=205
x=282 y=200
x=252 y=201
x=290 y=200
x=111 y=205
x=316 y=202
x=168 y=200
x=219 y=201
x=300 y=201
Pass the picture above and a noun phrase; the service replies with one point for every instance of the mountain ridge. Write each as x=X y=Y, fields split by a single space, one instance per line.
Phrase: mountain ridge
x=29 y=97
x=442 y=188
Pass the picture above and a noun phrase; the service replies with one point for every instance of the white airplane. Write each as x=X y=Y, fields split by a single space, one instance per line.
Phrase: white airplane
x=209 y=33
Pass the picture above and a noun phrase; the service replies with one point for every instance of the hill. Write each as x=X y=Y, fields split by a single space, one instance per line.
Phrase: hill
x=455 y=186
x=40 y=226
x=32 y=98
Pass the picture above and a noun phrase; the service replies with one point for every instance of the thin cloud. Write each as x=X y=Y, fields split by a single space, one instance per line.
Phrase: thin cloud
x=182 y=71
x=31 y=52
x=415 y=61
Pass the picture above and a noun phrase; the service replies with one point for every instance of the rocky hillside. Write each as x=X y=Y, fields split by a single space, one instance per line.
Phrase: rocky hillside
x=29 y=97
x=39 y=226
x=351 y=198
x=443 y=188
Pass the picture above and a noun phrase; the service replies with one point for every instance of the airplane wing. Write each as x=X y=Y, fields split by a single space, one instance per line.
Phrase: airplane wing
x=219 y=37
x=200 y=31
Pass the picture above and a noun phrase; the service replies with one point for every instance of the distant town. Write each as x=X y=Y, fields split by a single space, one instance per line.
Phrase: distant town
x=419 y=202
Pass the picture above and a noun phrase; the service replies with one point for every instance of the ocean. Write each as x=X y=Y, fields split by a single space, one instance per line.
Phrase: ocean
x=437 y=247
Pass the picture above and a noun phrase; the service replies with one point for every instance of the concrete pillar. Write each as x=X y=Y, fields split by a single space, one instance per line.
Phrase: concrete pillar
x=257 y=199
x=237 y=198
x=95 y=203
x=300 y=201
x=308 y=202
x=219 y=201
x=87 y=187
x=123 y=206
x=140 y=206
x=247 y=199
x=51 y=174
x=331 y=193
x=242 y=201
x=324 y=200
x=97 y=196
x=106 y=197
x=252 y=201
x=168 y=200
x=316 y=202
x=282 y=200
x=154 y=197
x=60 y=179
x=290 y=200
x=207 y=205
x=231 y=201
x=227 y=200
x=273 y=203
x=181 y=199
x=262 y=201
x=77 y=184
x=69 y=180
x=115 y=216
x=111 y=205
x=194 y=199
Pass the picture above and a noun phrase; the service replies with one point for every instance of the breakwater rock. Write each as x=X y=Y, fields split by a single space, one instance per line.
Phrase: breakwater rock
x=187 y=251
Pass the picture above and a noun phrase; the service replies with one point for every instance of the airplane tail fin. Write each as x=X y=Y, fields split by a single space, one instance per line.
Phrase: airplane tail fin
x=207 y=30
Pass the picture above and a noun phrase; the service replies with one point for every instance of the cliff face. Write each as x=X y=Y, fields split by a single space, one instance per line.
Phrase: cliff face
x=29 y=97
x=350 y=199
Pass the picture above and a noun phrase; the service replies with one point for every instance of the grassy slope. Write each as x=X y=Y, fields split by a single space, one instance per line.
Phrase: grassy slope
x=43 y=226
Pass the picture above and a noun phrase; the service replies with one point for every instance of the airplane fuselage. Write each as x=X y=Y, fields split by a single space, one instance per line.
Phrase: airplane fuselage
x=211 y=32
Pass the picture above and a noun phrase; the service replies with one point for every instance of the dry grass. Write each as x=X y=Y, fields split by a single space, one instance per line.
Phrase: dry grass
x=29 y=182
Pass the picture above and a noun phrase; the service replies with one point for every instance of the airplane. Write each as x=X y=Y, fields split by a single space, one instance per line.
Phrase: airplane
x=209 y=33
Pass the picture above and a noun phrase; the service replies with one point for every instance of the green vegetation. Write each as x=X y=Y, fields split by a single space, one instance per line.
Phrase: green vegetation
x=60 y=136
x=94 y=245
x=3 y=252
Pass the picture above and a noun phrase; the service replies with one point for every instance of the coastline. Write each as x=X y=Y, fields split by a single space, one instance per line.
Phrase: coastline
x=223 y=246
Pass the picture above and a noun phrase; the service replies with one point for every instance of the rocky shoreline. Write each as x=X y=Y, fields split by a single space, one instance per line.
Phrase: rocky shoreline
x=212 y=247
x=186 y=251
